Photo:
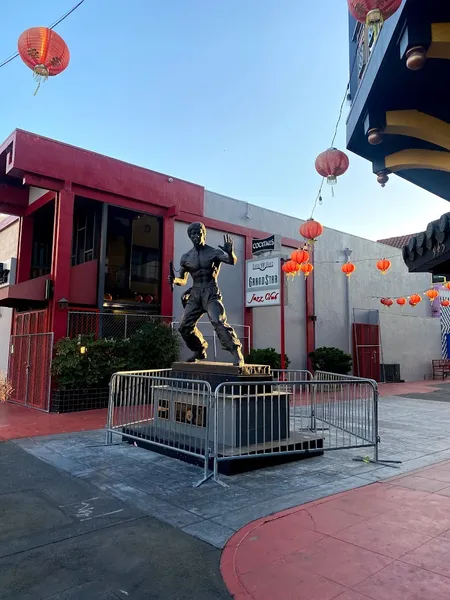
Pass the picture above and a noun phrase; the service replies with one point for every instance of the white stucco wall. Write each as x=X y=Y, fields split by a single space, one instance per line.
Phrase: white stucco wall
x=414 y=358
x=331 y=307
x=8 y=249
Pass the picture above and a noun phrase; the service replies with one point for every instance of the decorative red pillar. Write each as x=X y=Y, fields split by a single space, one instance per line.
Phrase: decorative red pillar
x=25 y=249
x=61 y=259
x=168 y=249
x=310 y=316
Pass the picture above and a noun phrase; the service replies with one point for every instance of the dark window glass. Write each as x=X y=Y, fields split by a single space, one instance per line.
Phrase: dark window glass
x=41 y=255
x=133 y=259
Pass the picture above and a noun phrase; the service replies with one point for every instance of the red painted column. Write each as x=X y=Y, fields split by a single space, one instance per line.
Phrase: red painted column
x=248 y=312
x=282 y=320
x=310 y=317
x=25 y=249
x=61 y=259
x=168 y=250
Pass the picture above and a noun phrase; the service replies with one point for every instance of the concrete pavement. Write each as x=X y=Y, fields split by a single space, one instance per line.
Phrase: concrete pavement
x=61 y=538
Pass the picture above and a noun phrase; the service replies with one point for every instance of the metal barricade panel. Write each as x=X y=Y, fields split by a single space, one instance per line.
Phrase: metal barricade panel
x=290 y=417
x=163 y=411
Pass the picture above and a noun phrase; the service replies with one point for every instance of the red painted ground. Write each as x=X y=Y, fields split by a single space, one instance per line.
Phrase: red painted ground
x=412 y=387
x=386 y=541
x=19 y=422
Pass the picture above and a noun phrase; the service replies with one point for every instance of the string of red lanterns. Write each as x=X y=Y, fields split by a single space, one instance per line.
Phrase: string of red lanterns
x=414 y=299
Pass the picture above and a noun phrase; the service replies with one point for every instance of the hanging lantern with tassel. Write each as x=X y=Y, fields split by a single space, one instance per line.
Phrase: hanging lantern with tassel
x=44 y=52
x=415 y=299
x=348 y=268
x=387 y=302
x=291 y=268
x=373 y=13
x=432 y=295
x=332 y=164
x=306 y=269
x=445 y=303
x=384 y=265
x=311 y=230
x=401 y=301
x=300 y=256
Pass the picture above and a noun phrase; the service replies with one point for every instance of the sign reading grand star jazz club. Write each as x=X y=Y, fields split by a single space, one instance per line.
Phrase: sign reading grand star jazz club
x=262 y=283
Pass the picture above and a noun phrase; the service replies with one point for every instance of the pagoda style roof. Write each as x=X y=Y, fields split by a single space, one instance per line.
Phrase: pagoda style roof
x=429 y=251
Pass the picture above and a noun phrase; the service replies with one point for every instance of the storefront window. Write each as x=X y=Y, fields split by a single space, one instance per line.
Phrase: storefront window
x=133 y=260
x=41 y=256
x=86 y=231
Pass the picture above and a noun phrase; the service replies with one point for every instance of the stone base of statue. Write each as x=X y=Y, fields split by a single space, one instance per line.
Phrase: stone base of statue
x=245 y=415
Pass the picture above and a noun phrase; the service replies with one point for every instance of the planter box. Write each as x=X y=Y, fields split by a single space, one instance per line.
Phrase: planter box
x=74 y=400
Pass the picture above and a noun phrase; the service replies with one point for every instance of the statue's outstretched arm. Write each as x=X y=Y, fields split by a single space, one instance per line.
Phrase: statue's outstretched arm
x=226 y=253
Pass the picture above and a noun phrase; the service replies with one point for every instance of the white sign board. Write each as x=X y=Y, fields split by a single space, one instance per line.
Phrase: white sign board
x=262 y=282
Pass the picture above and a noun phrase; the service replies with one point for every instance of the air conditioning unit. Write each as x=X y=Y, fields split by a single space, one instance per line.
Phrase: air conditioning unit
x=390 y=374
x=8 y=272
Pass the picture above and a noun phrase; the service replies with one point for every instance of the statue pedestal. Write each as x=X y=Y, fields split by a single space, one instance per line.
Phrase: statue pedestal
x=216 y=373
x=248 y=417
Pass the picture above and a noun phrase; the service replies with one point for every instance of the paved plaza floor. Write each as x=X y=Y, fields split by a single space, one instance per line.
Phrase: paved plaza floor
x=386 y=541
x=86 y=520
x=412 y=431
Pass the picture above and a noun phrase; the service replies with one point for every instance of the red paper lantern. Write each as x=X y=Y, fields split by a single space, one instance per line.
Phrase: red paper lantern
x=387 y=302
x=445 y=303
x=401 y=301
x=331 y=164
x=307 y=269
x=432 y=294
x=311 y=230
x=148 y=299
x=348 y=268
x=138 y=298
x=415 y=299
x=107 y=298
x=291 y=268
x=384 y=265
x=44 y=52
x=373 y=11
x=447 y=285
x=300 y=256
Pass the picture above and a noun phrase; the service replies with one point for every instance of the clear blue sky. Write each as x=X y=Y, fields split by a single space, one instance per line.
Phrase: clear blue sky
x=237 y=95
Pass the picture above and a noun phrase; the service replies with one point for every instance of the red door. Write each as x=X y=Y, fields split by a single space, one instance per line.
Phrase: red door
x=366 y=351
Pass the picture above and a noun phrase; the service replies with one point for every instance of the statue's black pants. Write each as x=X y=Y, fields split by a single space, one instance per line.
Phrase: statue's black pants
x=206 y=300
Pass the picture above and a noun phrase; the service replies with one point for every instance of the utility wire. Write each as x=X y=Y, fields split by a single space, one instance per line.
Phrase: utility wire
x=55 y=24
x=318 y=199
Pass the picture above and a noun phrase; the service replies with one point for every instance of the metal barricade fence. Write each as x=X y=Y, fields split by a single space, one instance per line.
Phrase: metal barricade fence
x=268 y=418
x=289 y=375
x=162 y=410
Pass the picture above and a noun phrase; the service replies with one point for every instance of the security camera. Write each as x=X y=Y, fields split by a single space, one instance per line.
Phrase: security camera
x=170 y=180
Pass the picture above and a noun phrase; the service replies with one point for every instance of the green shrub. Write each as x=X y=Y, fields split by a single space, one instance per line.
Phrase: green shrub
x=266 y=356
x=155 y=346
x=332 y=360
x=73 y=368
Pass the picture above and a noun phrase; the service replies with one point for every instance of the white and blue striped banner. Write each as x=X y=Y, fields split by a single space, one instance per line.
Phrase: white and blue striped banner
x=445 y=322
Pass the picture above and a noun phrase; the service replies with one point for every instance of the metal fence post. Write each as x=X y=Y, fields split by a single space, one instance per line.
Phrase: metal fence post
x=375 y=416
x=110 y=412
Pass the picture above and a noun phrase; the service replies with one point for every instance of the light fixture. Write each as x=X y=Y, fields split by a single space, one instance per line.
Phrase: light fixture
x=63 y=304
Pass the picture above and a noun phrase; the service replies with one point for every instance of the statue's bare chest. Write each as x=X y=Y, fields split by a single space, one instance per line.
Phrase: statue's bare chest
x=199 y=260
